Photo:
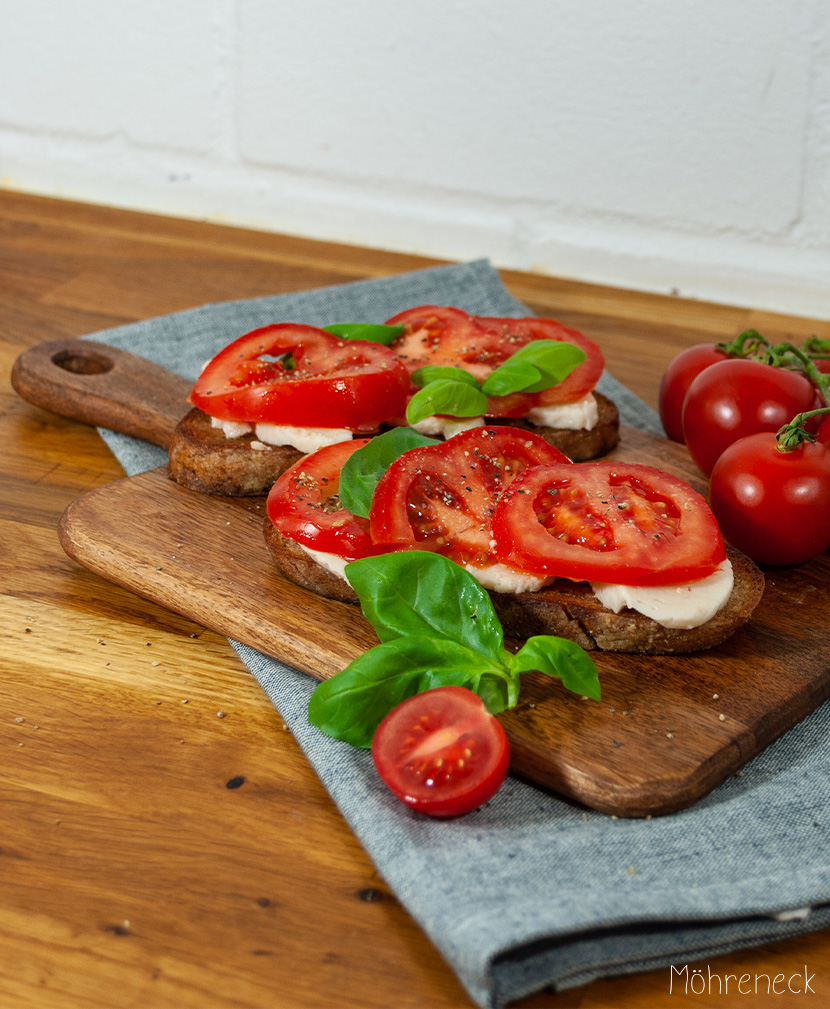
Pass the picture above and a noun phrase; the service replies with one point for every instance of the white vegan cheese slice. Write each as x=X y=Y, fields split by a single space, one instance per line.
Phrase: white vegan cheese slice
x=446 y=427
x=583 y=415
x=501 y=578
x=306 y=439
x=675 y=606
x=331 y=562
x=682 y=606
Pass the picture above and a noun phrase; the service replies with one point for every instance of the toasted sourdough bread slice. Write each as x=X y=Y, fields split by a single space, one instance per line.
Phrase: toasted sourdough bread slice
x=201 y=458
x=565 y=609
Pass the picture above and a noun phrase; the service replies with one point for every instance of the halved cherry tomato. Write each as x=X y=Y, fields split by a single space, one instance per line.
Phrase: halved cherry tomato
x=304 y=505
x=773 y=505
x=677 y=378
x=607 y=522
x=304 y=377
x=479 y=344
x=441 y=752
x=735 y=398
x=441 y=497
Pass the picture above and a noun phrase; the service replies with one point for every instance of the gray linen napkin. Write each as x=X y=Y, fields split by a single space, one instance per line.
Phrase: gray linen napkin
x=531 y=891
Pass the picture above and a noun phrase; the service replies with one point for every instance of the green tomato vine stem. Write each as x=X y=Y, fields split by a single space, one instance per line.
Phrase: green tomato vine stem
x=751 y=344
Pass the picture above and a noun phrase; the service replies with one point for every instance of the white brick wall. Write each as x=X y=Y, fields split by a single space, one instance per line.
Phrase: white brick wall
x=659 y=144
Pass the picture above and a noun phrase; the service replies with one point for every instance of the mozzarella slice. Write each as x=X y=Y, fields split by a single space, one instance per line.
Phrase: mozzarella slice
x=501 y=578
x=583 y=415
x=446 y=427
x=675 y=606
x=331 y=562
x=306 y=439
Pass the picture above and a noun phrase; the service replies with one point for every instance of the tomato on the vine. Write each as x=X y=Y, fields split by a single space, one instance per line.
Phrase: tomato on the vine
x=304 y=377
x=677 y=378
x=771 y=504
x=735 y=398
x=441 y=752
x=823 y=431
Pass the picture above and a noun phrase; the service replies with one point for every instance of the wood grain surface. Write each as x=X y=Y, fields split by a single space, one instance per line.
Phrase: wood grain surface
x=153 y=852
x=668 y=730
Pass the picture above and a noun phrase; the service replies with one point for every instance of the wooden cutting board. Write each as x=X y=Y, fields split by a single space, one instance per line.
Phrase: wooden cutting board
x=668 y=730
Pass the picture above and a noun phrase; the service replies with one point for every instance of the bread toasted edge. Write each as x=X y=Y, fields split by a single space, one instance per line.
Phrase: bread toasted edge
x=202 y=459
x=565 y=609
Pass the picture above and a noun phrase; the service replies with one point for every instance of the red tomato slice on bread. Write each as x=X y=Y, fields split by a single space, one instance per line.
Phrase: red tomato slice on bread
x=607 y=522
x=448 y=337
x=304 y=505
x=441 y=497
x=301 y=376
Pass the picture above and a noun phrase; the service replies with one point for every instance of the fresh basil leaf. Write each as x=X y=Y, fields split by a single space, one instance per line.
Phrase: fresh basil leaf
x=363 y=468
x=365 y=331
x=351 y=705
x=561 y=658
x=416 y=592
x=450 y=398
x=538 y=365
x=435 y=372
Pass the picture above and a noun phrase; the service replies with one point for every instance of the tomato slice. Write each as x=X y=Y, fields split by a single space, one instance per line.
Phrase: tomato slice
x=304 y=505
x=449 y=337
x=441 y=752
x=607 y=522
x=441 y=497
x=304 y=377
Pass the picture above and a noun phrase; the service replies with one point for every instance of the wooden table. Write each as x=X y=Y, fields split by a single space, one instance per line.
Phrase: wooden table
x=155 y=853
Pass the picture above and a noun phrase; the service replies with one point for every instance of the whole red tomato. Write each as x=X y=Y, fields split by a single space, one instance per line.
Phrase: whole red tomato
x=823 y=431
x=732 y=399
x=675 y=383
x=773 y=505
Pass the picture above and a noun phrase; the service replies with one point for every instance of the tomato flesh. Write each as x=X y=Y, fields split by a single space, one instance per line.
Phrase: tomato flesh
x=304 y=505
x=479 y=344
x=773 y=505
x=441 y=752
x=301 y=376
x=441 y=497
x=605 y=522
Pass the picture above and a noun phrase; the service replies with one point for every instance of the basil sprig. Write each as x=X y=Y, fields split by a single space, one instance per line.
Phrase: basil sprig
x=363 y=468
x=373 y=332
x=436 y=627
x=454 y=392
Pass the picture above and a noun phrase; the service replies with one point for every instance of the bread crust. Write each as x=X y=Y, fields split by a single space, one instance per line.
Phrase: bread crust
x=201 y=458
x=565 y=609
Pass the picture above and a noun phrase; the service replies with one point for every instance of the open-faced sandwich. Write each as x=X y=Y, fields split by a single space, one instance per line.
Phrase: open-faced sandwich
x=282 y=391
x=276 y=394
x=613 y=556
x=566 y=411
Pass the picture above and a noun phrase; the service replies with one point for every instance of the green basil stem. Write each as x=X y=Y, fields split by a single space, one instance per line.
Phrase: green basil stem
x=787 y=355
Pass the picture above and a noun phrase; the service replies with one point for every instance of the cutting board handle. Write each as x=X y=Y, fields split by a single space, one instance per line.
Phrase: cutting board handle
x=104 y=386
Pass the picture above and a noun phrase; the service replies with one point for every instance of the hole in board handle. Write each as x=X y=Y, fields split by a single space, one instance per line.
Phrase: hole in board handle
x=83 y=362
